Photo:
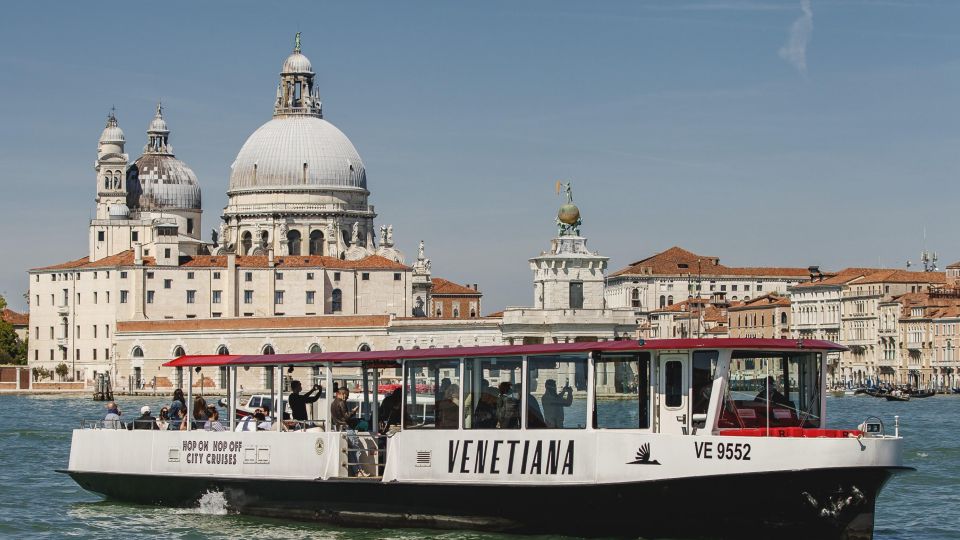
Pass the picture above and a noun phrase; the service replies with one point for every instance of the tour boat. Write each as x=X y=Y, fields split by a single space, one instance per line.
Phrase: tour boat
x=721 y=438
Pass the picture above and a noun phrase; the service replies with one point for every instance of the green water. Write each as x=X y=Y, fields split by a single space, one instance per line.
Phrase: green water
x=37 y=502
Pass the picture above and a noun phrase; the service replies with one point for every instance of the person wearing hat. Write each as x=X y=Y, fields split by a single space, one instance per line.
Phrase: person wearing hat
x=145 y=420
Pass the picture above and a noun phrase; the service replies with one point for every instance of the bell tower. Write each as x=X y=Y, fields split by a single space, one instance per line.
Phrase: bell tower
x=110 y=230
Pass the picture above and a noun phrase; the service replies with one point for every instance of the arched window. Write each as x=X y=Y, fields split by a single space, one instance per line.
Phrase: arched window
x=456 y=313
x=670 y=300
x=223 y=350
x=137 y=352
x=264 y=239
x=315 y=348
x=635 y=298
x=663 y=300
x=293 y=242
x=316 y=243
x=268 y=350
x=783 y=318
x=364 y=348
x=178 y=352
x=473 y=313
x=336 y=301
x=246 y=243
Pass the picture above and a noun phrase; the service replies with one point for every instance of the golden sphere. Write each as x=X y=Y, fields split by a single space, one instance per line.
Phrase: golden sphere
x=568 y=214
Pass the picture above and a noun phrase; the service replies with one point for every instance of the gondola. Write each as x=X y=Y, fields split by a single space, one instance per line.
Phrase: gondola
x=900 y=397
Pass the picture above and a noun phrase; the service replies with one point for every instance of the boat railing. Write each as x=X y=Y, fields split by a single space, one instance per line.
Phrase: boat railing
x=362 y=456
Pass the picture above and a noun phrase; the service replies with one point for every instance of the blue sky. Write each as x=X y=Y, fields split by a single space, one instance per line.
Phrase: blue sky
x=766 y=133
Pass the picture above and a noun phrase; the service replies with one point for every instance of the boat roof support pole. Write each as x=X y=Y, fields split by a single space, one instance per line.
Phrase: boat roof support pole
x=328 y=382
x=592 y=357
x=232 y=398
x=375 y=425
x=189 y=417
x=278 y=413
x=272 y=379
x=366 y=390
x=523 y=395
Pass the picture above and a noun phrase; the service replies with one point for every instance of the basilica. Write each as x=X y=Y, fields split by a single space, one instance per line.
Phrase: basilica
x=295 y=263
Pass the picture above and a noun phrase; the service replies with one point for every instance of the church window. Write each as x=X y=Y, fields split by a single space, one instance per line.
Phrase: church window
x=150 y=297
x=123 y=297
x=94 y=331
x=189 y=225
x=247 y=297
x=216 y=296
x=396 y=276
x=315 y=348
x=223 y=350
x=135 y=236
x=311 y=296
x=663 y=300
x=123 y=275
x=191 y=297
x=268 y=350
x=336 y=301
x=216 y=275
x=149 y=275
x=316 y=243
x=576 y=294
x=248 y=276
x=137 y=352
x=178 y=352
x=336 y=276
x=167 y=283
x=277 y=297
x=107 y=328
x=166 y=253
x=246 y=242
x=309 y=276
x=100 y=236
x=279 y=276
x=364 y=348
x=190 y=275
x=293 y=242
x=365 y=276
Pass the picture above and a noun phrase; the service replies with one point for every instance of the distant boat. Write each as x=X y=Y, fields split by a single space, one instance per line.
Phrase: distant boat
x=900 y=397
x=923 y=393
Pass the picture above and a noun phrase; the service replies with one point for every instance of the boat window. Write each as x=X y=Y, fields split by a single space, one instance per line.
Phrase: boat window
x=491 y=398
x=773 y=388
x=556 y=392
x=704 y=370
x=673 y=383
x=432 y=394
x=622 y=391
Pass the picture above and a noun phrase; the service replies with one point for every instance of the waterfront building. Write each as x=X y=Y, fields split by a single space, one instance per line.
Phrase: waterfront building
x=766 y=316
x=676 y=274
x=694 y=317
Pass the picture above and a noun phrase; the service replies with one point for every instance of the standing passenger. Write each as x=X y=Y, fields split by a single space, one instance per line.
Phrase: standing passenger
x=554 y=403
x=298 y=403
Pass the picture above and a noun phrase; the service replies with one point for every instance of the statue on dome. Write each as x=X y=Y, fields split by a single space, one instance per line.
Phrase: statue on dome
x=568 y=217
x=355 y=236
x=420 y=254
x=383 y=236
x=390 y=235
x=214 y=236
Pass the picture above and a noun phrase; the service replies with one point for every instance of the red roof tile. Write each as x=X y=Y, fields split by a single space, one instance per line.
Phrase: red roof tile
x=15 y=318
x=445 y=287
x=676 y=260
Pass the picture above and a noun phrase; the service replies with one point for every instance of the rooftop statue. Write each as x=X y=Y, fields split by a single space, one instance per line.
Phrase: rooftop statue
x=568 y=217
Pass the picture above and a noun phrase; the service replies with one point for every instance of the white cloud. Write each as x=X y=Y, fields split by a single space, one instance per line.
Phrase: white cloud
x=795 y=49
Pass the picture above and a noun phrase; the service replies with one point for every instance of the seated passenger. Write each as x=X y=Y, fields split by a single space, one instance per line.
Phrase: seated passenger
x=390 y=410
x=213 y=420
x=263 y=421
x=508 y=408
x=534 y=414
x=112 y=418
x=249 y=422
x=163 y=419
x=554 y=403
x=199 y=412
x=341 y=416
x=447 y=409
x=145 y=420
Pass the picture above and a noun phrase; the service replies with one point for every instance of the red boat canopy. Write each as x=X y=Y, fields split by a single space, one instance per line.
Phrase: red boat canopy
x=391 y=358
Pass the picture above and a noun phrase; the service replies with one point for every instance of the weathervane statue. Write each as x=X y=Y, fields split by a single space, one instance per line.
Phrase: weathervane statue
x=568 y=217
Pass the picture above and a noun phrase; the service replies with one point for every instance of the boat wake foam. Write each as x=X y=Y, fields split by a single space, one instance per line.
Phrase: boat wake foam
x=211 y=503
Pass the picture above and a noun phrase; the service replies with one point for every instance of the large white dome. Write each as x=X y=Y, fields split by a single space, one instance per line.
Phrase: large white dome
x=294 y=152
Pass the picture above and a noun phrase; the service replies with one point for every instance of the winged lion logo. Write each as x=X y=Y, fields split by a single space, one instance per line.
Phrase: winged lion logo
x=643 y=456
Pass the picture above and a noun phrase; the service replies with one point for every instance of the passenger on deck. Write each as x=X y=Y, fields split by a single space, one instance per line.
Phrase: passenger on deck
x=508 y=408
x=264 y=423
x=112 y=418
x=447 y=410
x=179 y=403
x=213 y=420
x=534 y=414
x=199 y=412
x=390 y=410
x=163 y=419
x=554 y=403
x=298 y=402
x=145 y=420
x=341 y=416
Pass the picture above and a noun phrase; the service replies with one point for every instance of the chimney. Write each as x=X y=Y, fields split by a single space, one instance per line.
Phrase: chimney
x=270 y=258
x=474 y=286
x=138 y=254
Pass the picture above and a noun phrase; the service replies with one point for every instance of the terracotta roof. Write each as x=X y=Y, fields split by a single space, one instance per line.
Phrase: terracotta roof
x=443 y=286
x=254 y=323
x=904 y=276
x=767 y=300
x=126 y=258
x=841 y=278
x=495 y=315
x=15 y=318
x=677 y=260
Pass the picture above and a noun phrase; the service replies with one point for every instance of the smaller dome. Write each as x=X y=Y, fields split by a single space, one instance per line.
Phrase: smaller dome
x=158 y=124
x=297 y=63
x=162 y=182
x=112 y=132
x=118 y=211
